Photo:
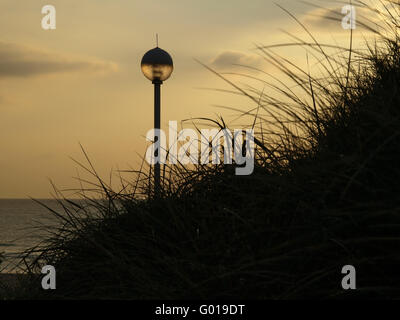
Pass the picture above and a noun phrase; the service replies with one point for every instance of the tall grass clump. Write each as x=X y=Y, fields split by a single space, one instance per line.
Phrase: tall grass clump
x=324 y=194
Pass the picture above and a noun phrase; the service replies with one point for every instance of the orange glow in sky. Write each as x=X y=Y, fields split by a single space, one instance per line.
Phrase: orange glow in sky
x=81 y=82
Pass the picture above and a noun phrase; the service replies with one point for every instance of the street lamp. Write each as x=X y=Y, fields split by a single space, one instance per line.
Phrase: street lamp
x=157 y=66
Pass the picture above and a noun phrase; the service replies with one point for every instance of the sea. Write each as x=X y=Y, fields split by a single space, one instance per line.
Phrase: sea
x=22 y=223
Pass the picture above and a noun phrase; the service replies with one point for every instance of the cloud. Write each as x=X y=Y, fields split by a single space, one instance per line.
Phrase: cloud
x=22 y=61
x=326 y=19
x=330 y=19
x=228 y=59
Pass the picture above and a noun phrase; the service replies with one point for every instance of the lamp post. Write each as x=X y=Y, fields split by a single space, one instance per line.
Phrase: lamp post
x=157 y=66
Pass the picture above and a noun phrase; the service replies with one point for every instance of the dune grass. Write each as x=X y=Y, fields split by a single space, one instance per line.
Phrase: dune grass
x=324 y=194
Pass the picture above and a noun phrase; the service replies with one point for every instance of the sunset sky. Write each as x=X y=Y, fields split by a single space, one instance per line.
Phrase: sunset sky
x=82 y=83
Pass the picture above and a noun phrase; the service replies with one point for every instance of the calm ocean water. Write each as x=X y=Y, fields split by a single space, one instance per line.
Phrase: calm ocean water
x=19 y=219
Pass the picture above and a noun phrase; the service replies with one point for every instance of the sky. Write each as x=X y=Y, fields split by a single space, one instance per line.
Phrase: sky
x=81 y=83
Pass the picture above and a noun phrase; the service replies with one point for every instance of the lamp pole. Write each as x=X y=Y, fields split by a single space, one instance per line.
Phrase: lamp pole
x=157 y=115
x=157 y=66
